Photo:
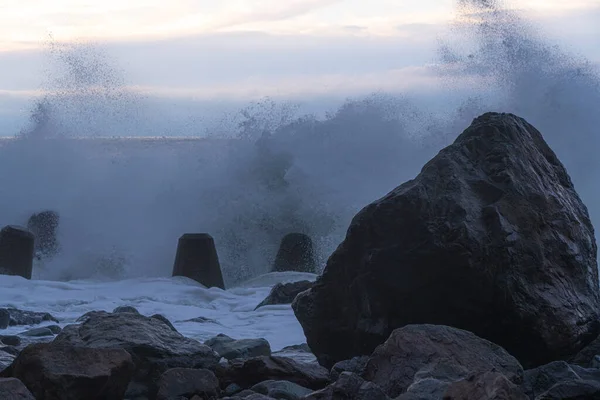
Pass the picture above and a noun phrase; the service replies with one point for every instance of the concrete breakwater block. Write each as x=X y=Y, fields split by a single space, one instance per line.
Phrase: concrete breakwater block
x=44 y=225
x=197 y=259
x=16 y=251
x=295 y=253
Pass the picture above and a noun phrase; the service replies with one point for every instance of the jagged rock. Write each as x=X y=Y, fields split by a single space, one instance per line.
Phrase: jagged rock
x=586 y=356
x=52 y=371
x=285 y=390
x=38 y=332
x=490 y=237
x=126 y=309
x=448 y=354
x=153 y=346
x=488 y=386
x=16 y=251
x=14 y=389
x=197 y=259
x=185 y=382
x=285 y=293
x=298 y=352
x=20 y=317
x=573 y=390
x=295 y=253
x=247 y=373
x=6 y=358
x=43 y=225
x=248 y=395
x=164 y=320
x=349 y=386
x=244 y=348
x=356 y=365
x=10 y=340
x=541 y=379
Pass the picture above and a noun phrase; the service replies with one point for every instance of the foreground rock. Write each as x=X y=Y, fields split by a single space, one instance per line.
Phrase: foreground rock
x=488 y=386
x=550 y=378
x=247 y=373
x=185 y=382
x=52 y=371
x=446 y=354
x=490 y=237
x=285 y=293
x=230 y=348
x=14 y=389
x=349 y=386
x=154 y=347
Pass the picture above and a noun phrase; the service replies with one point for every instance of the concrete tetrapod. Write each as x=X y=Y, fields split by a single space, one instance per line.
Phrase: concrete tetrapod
x=197 y=259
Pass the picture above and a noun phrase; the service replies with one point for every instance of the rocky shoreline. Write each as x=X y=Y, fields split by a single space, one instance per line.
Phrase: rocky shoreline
x=476 y=280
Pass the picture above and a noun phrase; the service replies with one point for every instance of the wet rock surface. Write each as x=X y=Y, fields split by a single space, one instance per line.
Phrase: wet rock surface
x=490 y=237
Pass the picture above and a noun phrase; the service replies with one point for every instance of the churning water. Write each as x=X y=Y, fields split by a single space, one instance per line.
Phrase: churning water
x=269 y=170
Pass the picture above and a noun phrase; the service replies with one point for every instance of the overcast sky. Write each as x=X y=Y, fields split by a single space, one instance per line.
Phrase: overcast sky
x=240 y=49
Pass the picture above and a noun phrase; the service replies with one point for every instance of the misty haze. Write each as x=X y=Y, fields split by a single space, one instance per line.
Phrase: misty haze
x=345 y=190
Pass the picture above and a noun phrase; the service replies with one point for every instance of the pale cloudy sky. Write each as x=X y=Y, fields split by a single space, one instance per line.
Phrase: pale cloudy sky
x=252 y=48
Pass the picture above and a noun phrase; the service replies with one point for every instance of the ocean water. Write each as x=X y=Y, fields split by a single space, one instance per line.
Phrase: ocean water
x=179 y=299
x=250 y=177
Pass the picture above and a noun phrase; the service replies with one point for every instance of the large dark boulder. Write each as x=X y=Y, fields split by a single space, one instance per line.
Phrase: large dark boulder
x=13 y=389
x=435 y=352
x=57 y=372
x=490 y=237
x=153 y=345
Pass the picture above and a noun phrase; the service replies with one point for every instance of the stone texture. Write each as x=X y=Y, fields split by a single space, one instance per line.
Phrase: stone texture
x=185 y=382
x=349 y=386
x=59 y=372
x=285 y=293
x=153 y=346
x=541 y=379
x=244 y=348
x=285 y=390
x=14 y=389
x=488 y=386
x=247 y=373
x=490 y=237
x=436 y=351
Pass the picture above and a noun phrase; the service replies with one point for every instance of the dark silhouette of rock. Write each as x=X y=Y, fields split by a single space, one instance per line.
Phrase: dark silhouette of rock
x=10 y=340
x=490 y=237
x=55 y=372
x=153 y=345
x=197 y=259
x=180 y=383
x=349 y=386
x=20 y=317
x=43 y=225
x=435 y=351
x=6 y=358
x=16 y=251
x=285 y=293
x=14 y=389
x=229 y=348
x=249 y=372
x=295 y=253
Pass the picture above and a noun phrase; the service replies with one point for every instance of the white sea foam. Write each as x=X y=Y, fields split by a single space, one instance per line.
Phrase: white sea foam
x=179 y=299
